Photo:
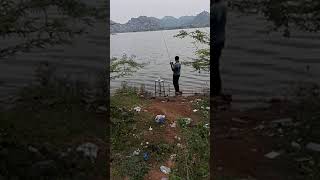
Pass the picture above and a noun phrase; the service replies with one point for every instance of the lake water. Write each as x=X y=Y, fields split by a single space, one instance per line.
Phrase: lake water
x=255 y=66
x=150 y=47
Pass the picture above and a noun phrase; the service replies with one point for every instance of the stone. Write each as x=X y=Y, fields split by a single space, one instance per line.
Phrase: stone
x=44 y=168
x=295 y=145
x=102 y=108
x=89 y=150
x=272 y=155
x=165 y=170
x=313 y=146
x=137 y=109
x=173 y=125
x=283 y=122
x=239 y=120
x=136 y=152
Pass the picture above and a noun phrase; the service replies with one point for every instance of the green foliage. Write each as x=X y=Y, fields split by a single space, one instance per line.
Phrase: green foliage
x=193 y=160
x=284 y=14
x=134 y=167
x=43 y=23
x=202 y=62
x=125 y=66
x=50 y=91
x=304 y=105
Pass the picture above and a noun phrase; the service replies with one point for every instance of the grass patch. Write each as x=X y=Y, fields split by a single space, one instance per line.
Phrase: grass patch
x=192 y=161
x=127 y=128
x=304 y=105
x=134 y=167
x=53 y=115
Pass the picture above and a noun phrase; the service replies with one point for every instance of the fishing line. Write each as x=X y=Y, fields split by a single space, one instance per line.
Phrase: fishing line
x=165 y=43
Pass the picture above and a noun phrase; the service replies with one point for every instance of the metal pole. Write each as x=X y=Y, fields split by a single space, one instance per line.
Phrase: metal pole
x=164 y=89
x=155 y=88
x=160 y=88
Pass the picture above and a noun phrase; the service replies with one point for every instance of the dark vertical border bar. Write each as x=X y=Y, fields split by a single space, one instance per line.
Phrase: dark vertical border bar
x=108 y=90
x=211 y=161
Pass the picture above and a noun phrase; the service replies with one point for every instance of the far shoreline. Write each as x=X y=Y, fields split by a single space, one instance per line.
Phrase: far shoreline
x=158 y=30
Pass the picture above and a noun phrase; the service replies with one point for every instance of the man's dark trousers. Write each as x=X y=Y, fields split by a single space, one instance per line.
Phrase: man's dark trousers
x=176 y=82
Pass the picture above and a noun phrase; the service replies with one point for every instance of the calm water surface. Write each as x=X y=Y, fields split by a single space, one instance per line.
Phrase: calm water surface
x=150 y=48
x=255 y=65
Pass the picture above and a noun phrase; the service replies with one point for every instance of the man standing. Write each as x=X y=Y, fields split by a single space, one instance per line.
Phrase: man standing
x=176 y=74
x=218 y=20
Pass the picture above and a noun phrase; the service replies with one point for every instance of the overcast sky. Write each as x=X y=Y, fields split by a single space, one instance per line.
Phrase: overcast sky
x=124 y=10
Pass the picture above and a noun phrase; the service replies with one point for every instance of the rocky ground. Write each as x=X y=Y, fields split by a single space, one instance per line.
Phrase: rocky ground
x=164 y=143
x=263 y=143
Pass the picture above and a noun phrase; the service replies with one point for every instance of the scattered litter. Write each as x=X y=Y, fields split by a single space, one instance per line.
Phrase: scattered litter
x=187 y=120
x=163 y=101
x=283 y=122
x=206 y=125
x=179 y=145
x=198 y=99
x=147 y=142
x=89 y=149
x=150 y=128
x=202 y=107
x=173 y=156
x=195 y=110
x=260 y=127
x=33 y=149
x=141 y=144
x=102 y=108
x=145 y=110
x=136 y=152
x=272 y=155
x=207 y=108
x=164 y=178
x=138 y=109
x=303 y=159
x=295 y=145
x=173 y=125
x=165 y=169
x=146 y=156
x=191 y=101
x=313 y=146
x=160 y=119
x=271 y=135
x=239 y=120
x=177 y=137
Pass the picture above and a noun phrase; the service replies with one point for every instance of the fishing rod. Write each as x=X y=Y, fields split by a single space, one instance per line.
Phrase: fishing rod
x=165 y=43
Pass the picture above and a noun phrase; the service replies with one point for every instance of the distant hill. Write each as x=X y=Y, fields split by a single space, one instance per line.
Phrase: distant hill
x=144 y=23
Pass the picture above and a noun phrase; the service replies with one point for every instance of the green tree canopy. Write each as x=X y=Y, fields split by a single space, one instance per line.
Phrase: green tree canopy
x=202 y=61
x=284 y=15
x=40 y=23
x=124 y=66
